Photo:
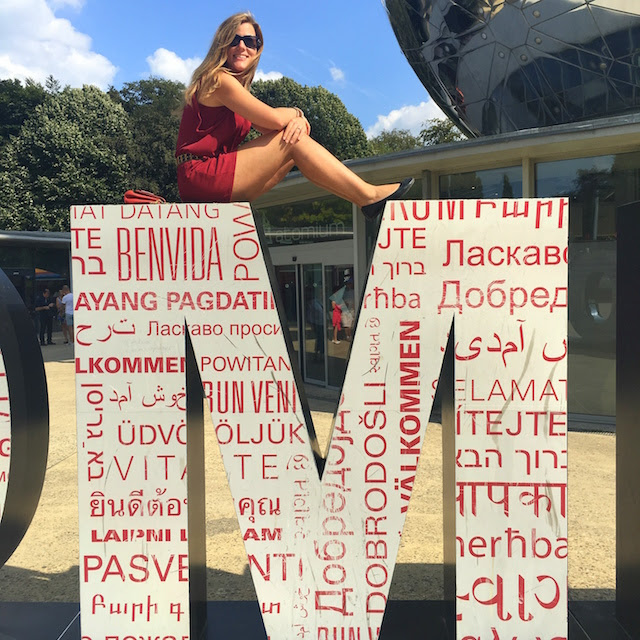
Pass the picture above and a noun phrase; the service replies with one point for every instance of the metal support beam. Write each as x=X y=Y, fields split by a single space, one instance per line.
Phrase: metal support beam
x=628 y=421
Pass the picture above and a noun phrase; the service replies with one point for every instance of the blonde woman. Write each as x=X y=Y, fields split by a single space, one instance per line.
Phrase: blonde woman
x=219 y=111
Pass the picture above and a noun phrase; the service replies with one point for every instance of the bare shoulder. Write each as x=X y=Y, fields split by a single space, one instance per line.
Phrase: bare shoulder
x=227 y=86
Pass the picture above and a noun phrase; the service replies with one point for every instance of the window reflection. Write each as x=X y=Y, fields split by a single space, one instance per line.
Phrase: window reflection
x=313 y=323
x=490 y=183
x=341 y=309
x=287 y=283
x=321 y=220
x=502 y=66
x=31 y=268
x=309 y=293
x=596 y=187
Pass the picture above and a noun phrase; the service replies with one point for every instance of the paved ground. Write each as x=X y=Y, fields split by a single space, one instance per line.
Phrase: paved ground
x=45 y=566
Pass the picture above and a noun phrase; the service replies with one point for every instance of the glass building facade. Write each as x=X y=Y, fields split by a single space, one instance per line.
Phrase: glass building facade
x=487 y=183
x=552 y=162
x=320 y=246
x=596 y=186
x=35 y=261
x=319 y=220
x=500 y=66
x=311 y=282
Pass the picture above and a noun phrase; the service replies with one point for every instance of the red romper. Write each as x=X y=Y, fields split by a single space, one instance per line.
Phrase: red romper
x=214 y=134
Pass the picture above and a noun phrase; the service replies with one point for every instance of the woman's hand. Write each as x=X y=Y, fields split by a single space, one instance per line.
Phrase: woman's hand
x=297 y=127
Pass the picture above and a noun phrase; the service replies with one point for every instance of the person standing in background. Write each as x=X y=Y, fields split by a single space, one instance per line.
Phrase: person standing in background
x=62 y=316
x=336 y=318
x=348 y=306
x=45 y=307
x=67 y=301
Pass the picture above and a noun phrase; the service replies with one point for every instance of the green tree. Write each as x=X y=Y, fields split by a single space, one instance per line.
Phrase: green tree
x=70 y=151
x=154 y=107
x=17 y=103
x=439 y=131
x=331 y=124
x=394 y=140
x=52 y=85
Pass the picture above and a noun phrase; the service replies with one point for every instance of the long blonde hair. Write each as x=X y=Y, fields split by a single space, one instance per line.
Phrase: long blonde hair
x=206 y=75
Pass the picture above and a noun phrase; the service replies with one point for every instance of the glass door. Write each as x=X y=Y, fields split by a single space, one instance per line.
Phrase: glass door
x=313 y=324
x=340 y=300
x=288 y=283
x=321 y=335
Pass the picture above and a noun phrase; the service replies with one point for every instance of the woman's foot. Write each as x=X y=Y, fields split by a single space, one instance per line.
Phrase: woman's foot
x=383 y=191
x=372 y=211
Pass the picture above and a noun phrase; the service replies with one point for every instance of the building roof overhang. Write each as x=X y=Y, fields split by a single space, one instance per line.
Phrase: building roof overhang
x=56 y=239
x=603 y=136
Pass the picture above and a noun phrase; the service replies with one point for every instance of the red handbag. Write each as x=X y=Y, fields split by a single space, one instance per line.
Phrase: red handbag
x=140 y=196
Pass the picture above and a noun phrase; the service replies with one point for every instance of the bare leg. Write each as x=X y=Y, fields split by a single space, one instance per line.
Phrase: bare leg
x=263 y=162
x=279 y=175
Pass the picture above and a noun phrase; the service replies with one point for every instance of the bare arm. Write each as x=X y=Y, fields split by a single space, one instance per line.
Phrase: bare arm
x=234 y=96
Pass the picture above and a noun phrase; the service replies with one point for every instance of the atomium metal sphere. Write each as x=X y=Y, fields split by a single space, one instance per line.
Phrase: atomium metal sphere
x=495 y=66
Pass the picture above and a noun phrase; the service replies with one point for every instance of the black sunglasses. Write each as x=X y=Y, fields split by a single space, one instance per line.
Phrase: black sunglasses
x=251 y=42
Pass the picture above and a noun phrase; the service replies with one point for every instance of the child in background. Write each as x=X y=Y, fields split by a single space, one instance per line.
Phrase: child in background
x=336 y=317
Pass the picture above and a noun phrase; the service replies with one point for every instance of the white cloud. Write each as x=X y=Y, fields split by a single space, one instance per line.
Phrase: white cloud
x=35 y=44
x=58 y=4
x=337 y=75
x=269 y=75
x=410 y=117
x=167 y=64
x=11 y=69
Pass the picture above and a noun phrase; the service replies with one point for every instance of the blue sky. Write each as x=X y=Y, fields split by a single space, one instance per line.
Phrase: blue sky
x=347 y=46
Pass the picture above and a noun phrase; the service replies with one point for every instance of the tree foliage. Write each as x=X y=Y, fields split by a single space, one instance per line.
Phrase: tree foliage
x=434 y=131
x=17 y=103
x=63 y=146
x=71 y=150
x=331 y=124
x=325 y=211
x=393 y=141
x=154 y=107
x=439 y=131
